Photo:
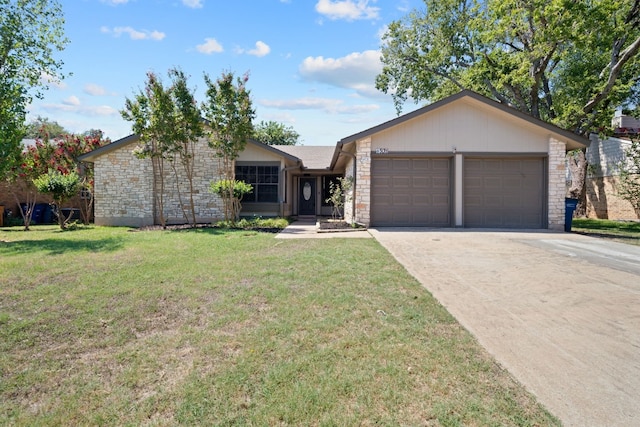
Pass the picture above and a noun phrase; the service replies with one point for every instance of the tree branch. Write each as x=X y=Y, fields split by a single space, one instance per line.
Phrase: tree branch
x=616 y=69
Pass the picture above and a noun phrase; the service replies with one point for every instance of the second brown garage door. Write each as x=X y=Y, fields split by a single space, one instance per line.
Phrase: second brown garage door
x=504 y=193
x=411 y=192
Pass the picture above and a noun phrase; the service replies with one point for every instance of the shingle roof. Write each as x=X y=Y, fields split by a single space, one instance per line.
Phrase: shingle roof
x=312 y=156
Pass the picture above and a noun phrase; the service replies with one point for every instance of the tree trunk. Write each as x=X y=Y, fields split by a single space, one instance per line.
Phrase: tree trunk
x=578 y=167
x=29 y=205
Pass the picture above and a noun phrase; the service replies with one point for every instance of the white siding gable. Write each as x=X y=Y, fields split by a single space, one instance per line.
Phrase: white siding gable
x=467 y=125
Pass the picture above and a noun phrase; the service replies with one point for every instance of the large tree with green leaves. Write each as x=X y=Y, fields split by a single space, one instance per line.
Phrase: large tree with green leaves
x=274 y=133
x=42 y=127
x=169 y=124
x=229 y=112
x=31 y=32
x=567 y=62
x=570 y=63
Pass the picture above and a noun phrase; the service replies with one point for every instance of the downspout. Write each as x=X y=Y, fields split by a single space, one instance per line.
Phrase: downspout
x=353 y=194
x=284 y=184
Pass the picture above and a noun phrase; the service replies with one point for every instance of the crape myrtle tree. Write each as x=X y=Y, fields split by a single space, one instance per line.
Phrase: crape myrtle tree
x=188 y=130
x=169 y=124
x=60 y=155
x=67 y=150
x=229 y=113
x=567 y=62
x=31 y=32
x=34 y=161
x=274 y=133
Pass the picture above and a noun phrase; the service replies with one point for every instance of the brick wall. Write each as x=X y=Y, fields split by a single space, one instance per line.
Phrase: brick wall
x=557 y=184
x=603 y=201
x=9 y=192
x=604 y=156
x=8 y=199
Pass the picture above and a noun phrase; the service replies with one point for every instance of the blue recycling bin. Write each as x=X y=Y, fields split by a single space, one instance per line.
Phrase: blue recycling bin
x=569 y=208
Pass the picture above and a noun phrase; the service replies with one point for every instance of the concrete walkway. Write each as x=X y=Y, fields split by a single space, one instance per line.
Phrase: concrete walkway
x=560 y=311
x=307 y=229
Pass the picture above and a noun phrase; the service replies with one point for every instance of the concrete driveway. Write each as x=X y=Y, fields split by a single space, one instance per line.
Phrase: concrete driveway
x=560 y=311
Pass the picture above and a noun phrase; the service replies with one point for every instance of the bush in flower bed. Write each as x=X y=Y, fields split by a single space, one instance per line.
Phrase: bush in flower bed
x=256 y=223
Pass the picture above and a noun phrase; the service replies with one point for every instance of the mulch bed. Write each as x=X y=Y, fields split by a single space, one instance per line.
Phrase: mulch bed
x=337 y=225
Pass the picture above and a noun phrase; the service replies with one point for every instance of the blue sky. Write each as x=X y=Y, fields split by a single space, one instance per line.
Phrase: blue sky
x=312 y=63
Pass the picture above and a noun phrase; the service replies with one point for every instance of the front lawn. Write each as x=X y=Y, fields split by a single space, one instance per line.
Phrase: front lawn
x=107 y=326
x=622 y=231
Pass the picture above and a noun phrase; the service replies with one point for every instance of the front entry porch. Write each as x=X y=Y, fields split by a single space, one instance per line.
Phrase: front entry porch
x=310 y=194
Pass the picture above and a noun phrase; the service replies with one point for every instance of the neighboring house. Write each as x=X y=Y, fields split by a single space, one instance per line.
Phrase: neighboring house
x=604 y=157
x=465 y=161
x=12 y=194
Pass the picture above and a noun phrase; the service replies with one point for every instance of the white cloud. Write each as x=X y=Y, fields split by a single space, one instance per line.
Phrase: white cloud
x=349 y=10
x=69 y=106
x=261 y=49
x=194 y=4
x=134 y=34
x=356 y=71
x=94 y=89
x=209 y=46
x=72 y=100
x=328 y=105
x=50 y=80
x=115 y=2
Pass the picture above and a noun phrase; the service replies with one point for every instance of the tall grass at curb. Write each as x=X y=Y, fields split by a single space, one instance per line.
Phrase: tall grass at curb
x=105 y=326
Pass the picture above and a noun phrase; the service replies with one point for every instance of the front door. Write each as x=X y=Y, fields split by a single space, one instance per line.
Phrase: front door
x=307 y=196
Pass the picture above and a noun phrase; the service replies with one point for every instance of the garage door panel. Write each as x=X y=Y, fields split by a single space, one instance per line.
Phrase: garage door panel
x=504 y=193
x=421 y=164
x=419 y=188
x=421 y=182
x=399 y=182
x=401 y=164
x=441 y=182
x=421 y=200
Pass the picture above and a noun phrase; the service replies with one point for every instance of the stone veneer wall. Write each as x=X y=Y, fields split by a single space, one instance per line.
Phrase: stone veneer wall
x=363 y=182
x=124 y=189
x=208 y=206
x=557 y=184
x=348 y=205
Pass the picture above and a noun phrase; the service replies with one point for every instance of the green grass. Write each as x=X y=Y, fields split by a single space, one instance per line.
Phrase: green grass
x=105 y=326
x=623 y=231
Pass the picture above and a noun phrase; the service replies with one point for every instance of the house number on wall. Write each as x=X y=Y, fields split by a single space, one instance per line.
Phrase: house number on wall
x=382 y=150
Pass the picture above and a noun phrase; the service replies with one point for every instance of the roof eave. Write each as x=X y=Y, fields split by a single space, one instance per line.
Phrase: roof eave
x=90 y=156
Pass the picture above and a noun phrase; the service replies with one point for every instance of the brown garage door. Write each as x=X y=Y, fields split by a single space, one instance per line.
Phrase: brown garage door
x=411 y=192
x=504 y=193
